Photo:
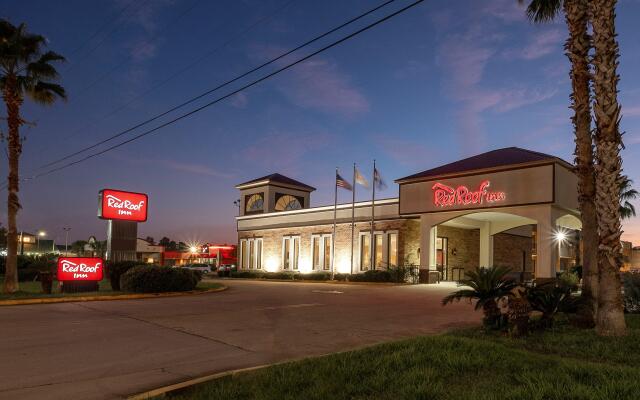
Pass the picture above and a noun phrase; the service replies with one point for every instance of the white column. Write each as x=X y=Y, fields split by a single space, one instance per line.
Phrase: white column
x=546 y=246
x=486 y=245
x=428 y=234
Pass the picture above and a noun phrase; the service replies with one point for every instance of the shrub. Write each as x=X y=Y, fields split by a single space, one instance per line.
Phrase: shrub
x=247 y=274
x=153 y=279
x=551 y=298
x=317 y=276
x=375 y=275
x=116 y=269
x=631 y=298
x=569 y=280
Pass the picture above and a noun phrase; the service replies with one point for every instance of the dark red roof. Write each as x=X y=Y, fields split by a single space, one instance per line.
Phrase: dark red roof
x=491 y=159
x=278 y=178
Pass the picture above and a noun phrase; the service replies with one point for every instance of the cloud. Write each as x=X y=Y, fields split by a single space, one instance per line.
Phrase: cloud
x=541 y=44
x=197 y=169
x=283 y=151
x=317 y=84
x=239 y=100
x=141 y=50
x=464 y=57
x=407 y=152
x=505 y=10
x=631 y=112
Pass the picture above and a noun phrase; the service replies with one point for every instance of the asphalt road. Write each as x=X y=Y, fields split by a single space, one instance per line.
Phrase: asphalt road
x=112 y=349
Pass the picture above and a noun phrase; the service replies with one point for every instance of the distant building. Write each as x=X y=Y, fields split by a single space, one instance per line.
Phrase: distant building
x=149 y=253
x=213 y=254
x=30 y=244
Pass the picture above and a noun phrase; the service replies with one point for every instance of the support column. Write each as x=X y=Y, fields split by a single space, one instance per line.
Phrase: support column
x=546 y=246
x=486 y=245
x=428 y=234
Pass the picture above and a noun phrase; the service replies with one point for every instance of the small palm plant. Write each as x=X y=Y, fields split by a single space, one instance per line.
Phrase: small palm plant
x=486 y=286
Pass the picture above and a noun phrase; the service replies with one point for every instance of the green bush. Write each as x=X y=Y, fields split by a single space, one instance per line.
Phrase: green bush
x=116 y=269
x=317 y=276
x=569 y=280
x=247 y=274
x=375 y=275
x=154 y=279
x=631 y=285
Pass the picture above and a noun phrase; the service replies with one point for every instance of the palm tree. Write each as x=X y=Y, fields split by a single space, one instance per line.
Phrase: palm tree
x=610 y=315
x=25 y=70
x=486 y=286
x=627 y=193
x=577 y=49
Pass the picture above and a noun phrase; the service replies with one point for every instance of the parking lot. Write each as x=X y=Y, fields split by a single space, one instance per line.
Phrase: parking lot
x=111 y=349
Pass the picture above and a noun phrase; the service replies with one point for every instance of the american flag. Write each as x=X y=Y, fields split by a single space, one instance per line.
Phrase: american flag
x=378 y=181
x=341 y=182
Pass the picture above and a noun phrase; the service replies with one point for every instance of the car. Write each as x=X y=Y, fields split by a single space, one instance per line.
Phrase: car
x=226 y=269
x=204 y=268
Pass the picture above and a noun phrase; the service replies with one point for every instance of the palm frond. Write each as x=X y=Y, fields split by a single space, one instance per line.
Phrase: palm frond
x=46 y=92
x=540 y=11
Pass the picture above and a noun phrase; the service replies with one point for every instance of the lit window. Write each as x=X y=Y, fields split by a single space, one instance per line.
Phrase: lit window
x=392 y=249
x=378 y=251
x=287 y=202
x=255 y=203
x=321 y=251
x=365 y=252
x=290 y=252
x=250 y=253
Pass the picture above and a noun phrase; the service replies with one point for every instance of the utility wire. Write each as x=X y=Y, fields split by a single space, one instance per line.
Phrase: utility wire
x=220 y=86
x=219 y=99
x=179 y=72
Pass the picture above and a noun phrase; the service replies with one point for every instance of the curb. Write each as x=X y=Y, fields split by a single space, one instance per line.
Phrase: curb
x=79 y=299
x=311 y=281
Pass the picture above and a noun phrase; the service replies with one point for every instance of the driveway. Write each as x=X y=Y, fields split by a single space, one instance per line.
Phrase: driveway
x=112 y=349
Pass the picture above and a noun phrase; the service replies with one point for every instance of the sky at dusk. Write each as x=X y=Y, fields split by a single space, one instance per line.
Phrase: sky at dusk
x=443 y=81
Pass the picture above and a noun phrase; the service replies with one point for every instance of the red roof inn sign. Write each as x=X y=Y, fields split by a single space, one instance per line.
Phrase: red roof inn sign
x=80 y=269
x=447 y=196
x=126 y=206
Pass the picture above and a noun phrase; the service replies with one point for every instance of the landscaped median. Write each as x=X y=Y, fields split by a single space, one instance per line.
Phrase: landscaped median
x=560 y=363
x=388 y=275
x=126 y=281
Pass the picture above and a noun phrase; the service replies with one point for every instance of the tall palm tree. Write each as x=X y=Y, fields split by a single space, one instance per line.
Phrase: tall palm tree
x=25 y=70
x=627 y=193
x=577 y=49
x=610 y=315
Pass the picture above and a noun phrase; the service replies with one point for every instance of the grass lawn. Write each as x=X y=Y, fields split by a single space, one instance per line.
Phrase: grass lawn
x=565 y=363
x=32 y=290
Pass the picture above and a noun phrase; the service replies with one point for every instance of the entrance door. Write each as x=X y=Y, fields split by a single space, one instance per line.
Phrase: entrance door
x=442 y=259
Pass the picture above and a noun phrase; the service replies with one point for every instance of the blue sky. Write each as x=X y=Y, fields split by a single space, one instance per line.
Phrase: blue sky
x=443 y=81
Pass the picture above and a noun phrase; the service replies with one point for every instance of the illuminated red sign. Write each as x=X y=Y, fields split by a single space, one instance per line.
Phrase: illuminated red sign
x=446 y=196
x=127 y=206
x=80 y=269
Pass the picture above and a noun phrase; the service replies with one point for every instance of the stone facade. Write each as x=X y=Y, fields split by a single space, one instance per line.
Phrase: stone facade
x=408 y=242
x=464 y=249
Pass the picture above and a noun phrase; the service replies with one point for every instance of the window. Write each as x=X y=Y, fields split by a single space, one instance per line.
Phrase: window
x=378 y=250
x=385 y=250
x=254 y=203
x=290 y=252
x=321 y=251
x=287 y=202
x=250 y=253
x=392 y=249
x=365 y=251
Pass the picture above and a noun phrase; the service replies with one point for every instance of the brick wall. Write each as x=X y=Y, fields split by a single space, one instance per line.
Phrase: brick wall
x=464 y=247
x=508 y=250
x=408 y=242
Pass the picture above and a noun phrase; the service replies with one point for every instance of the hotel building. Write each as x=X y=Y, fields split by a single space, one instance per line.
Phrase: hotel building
x=509 y=207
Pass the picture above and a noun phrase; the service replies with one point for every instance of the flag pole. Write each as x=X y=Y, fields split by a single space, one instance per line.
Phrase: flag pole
x=373 y=206
x=353 y=212
x=335 y=211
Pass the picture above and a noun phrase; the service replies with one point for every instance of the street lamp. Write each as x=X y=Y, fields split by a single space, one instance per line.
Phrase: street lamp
x=40 y=234
x=237 y=204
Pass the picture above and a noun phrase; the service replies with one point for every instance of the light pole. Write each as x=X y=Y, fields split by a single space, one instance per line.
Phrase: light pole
x=237 y=204
x=40 y=234
x=66 y=230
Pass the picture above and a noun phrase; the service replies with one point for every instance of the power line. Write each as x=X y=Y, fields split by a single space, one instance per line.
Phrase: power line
x=219 y=99
x=220 y=86
x=179 y=72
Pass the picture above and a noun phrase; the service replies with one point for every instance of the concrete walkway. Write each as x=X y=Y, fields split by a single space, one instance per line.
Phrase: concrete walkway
x=106 y=350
